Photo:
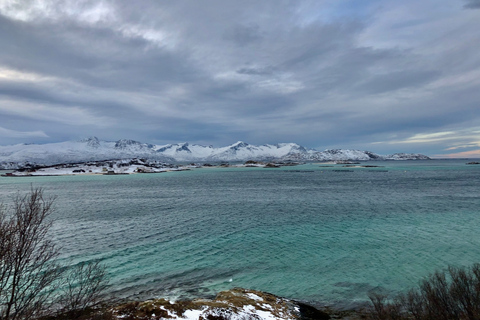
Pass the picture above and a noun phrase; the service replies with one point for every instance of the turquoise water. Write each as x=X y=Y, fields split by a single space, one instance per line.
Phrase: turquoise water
x=306 y=232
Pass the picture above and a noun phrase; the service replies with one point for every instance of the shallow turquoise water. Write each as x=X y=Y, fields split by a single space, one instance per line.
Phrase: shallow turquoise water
x=306 y=232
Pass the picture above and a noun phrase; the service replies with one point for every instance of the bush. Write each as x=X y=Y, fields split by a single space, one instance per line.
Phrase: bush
x=83 y=287
x=31 y=280
x=449 y=295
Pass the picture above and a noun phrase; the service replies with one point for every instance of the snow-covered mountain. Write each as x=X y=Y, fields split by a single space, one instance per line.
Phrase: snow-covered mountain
x=93 y=149
x=238 y=151
x=90 y=149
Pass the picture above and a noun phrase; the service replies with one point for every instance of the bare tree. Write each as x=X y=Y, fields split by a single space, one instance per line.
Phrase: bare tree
x=28 y=269
x=31 y=280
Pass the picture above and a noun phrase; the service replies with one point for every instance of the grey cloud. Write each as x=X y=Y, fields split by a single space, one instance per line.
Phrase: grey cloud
x=244 y=35
x=256 y=71
x=63 y=98
x=472 y=4
x=94 y=56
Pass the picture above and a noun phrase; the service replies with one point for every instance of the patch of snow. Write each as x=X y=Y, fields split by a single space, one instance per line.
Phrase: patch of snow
x=192 y=314
x=265 y=315
x=253 y=296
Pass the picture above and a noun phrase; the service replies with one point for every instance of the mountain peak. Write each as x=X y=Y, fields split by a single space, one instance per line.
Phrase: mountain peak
x=125 y=143
x=184 y=147
x=92 y=142
x=239 y=144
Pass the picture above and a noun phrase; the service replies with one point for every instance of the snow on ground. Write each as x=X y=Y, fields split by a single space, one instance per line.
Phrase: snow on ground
x=253 y=296
x=192 y=314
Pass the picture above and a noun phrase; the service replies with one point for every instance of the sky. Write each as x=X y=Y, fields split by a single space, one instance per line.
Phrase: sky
x=380 y=75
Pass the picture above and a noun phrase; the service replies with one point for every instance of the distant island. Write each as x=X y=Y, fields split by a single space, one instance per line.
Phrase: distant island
x=93 y=149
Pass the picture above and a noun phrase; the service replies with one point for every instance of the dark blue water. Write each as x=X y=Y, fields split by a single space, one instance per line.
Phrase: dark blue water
x=306 y=232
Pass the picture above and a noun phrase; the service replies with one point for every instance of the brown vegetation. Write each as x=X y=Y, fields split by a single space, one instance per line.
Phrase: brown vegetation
x=450 y=295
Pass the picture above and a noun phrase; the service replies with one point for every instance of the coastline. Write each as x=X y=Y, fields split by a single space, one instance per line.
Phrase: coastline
x=126 y=167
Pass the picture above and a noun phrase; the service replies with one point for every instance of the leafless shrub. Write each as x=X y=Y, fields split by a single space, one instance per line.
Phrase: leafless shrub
x=453 y=294
x=383 y=309
x=83 y=287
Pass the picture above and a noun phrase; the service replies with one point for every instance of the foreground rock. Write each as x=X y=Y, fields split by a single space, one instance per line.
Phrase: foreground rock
x=235 y=304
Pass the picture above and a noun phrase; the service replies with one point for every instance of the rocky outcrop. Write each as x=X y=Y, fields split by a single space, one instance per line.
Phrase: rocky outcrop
x=235 y=304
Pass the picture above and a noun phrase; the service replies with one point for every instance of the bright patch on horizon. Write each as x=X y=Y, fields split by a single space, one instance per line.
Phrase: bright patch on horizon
x=461 y=139
x=430 y=137
x=465 y=154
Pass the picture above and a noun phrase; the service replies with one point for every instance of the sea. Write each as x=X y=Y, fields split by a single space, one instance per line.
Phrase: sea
x=320 y=233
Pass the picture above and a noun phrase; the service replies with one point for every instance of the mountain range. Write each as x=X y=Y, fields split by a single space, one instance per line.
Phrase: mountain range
x=93 y=149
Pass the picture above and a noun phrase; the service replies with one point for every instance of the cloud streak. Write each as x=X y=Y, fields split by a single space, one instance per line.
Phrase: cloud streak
x=19 y=134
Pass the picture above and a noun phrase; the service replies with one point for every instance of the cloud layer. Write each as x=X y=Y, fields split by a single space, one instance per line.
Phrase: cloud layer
x=370 y=75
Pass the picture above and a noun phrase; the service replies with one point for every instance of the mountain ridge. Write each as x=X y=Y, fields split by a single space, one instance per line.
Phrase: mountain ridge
x=93 y=149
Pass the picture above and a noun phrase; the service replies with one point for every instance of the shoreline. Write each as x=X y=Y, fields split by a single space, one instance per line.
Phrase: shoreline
x=126 y=167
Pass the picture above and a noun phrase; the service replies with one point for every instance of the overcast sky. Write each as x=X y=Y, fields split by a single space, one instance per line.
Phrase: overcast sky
x=386 y=76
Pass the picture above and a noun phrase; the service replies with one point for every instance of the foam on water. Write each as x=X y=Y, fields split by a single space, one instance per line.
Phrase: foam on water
x=307 y=232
